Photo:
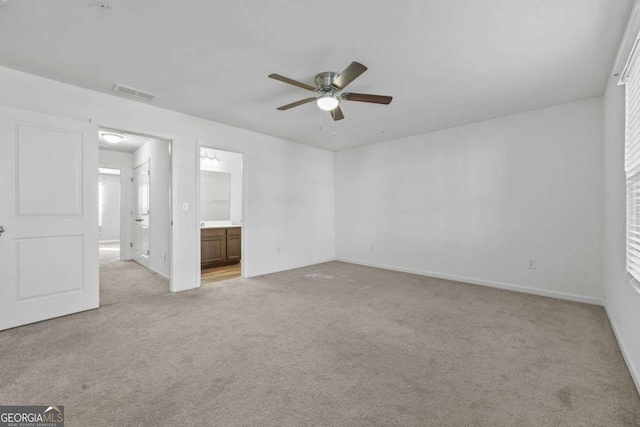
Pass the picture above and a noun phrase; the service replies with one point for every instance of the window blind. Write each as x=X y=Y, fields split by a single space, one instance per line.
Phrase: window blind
x=632 y=167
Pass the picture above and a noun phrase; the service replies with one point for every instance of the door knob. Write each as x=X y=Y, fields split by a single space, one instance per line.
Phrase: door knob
x=1 y=230
x=138 y=220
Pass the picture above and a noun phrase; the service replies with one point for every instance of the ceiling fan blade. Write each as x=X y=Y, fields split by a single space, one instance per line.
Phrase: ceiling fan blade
x=363 y=97
x=297 y=103
x=292 y=82
x=349 y=74
x=336 y=114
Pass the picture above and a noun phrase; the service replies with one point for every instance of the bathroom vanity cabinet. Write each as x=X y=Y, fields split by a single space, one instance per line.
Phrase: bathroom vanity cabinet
x=220 y=246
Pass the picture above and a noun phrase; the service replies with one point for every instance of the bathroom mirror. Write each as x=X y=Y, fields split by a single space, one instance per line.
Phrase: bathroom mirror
x=215 y=196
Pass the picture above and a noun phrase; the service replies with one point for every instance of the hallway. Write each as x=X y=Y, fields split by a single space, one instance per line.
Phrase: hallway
x=122 y=281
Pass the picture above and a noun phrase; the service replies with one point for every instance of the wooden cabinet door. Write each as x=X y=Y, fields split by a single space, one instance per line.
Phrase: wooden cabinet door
x=233 y=248
x=213 y=249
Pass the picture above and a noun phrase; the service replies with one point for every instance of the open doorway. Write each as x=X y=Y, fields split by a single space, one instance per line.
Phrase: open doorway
x=109 y=195
x=134 y=215
x=220 y=214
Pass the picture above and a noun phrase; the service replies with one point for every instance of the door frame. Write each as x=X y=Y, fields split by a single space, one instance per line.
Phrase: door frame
x=243 y=239
x=101 y=127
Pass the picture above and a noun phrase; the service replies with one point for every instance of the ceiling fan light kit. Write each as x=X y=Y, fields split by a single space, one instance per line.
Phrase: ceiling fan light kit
x=327 y=102
x=329 y=84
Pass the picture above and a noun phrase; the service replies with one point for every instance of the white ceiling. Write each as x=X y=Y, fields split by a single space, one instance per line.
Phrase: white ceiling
x=445 y=62
x=128 y=144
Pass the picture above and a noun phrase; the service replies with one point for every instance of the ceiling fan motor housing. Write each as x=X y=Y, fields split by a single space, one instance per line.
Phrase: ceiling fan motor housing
x=325 y=80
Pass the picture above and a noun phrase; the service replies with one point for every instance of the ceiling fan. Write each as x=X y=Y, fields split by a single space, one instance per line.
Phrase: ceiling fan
x=328 y=86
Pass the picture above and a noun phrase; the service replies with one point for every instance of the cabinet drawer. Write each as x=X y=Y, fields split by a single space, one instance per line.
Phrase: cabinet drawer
x=211 y=232
x=234 y=231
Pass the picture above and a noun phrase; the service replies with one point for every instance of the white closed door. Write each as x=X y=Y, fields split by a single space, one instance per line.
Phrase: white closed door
x=140 y=214
x=49 y=213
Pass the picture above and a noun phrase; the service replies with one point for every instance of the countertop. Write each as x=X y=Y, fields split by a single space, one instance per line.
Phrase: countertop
x=220 y=226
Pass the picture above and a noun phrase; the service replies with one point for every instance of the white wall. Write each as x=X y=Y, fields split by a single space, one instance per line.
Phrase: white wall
x=110 y=229
x=230 y=163
x=157 y=153
x=290 y=187
x=475 y=202
x=621 y=300
x=124 y=162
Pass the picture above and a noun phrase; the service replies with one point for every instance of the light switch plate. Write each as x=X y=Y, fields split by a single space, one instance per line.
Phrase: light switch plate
x=185 y=206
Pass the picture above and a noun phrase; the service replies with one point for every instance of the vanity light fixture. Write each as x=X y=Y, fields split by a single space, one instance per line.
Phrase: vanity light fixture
x=112 y=138
x=213 y=156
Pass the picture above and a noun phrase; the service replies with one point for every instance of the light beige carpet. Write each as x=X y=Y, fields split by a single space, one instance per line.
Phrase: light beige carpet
x=109 y=252
x=332 y=345
x=125 y=280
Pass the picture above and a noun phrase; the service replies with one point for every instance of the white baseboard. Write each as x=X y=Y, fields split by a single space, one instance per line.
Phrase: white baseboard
x=635 y=374
x=109 y=241
x=288 y=267
x=158 y=273
x=499 y=285
x=180 y=288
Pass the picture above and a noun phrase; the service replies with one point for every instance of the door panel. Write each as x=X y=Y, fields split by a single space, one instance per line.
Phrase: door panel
x=140 y=213
x=48 y=182
x=59 y=273
x=143 y=240
x=233 y=248
x=57 y=155
x=213 y=249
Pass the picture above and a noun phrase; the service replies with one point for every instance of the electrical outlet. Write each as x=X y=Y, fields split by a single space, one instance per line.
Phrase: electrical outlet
x=185 y=207
x=531 y=263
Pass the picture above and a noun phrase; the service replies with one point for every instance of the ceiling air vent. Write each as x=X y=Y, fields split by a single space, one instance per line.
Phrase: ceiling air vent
x=136 y=93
